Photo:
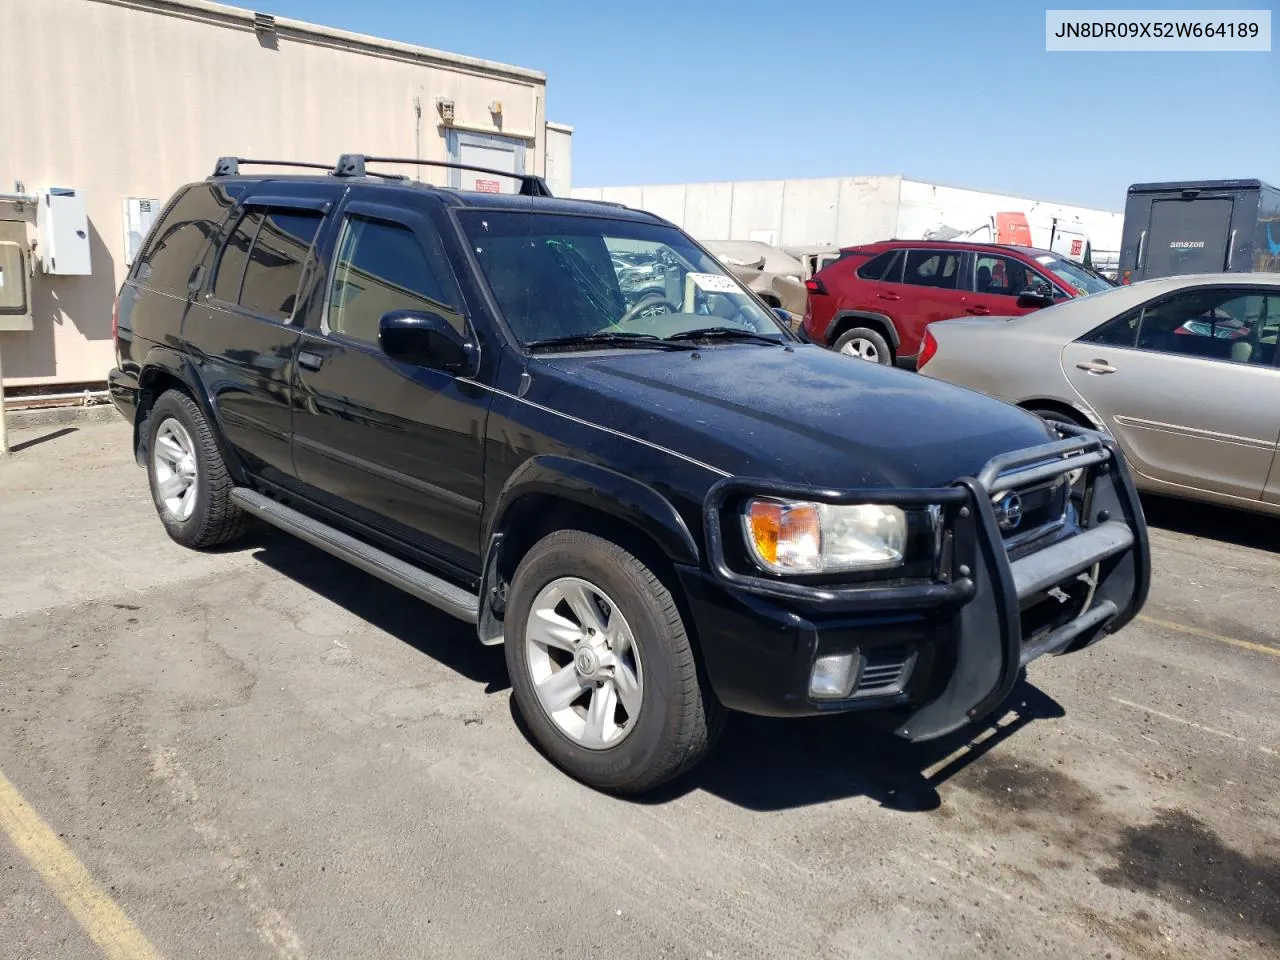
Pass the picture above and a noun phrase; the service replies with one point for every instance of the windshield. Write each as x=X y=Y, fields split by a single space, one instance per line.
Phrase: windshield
x=557 y=276
x=1080 y=277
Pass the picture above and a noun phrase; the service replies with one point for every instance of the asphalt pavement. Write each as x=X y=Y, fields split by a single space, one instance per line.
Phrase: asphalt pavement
x=264 y=753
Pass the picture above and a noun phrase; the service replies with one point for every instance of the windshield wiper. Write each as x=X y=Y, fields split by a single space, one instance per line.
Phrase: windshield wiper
x=610 y=338
x=725 y=333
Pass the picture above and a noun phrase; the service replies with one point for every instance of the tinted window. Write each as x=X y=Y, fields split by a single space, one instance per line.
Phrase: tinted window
x=556 y=276
x=274 y=270
x=1003 y=276
x=932 y=268
x=235 y=254
x=878 y=267
x=181 y=238
x=1230 y=325
x=381 y=266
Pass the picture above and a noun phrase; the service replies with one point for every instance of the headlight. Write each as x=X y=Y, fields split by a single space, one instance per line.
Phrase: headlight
x=789 y=536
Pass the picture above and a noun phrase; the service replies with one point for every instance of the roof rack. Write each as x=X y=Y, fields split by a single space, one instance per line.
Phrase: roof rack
x=230 y=166
x=353 y=165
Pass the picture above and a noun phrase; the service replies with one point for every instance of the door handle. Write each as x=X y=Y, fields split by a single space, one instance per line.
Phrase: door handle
x=978 y=310
x=888 y=296
x=1095 y=366
x=309 y=360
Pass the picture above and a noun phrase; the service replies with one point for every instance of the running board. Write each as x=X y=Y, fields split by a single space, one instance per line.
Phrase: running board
x=453 y=600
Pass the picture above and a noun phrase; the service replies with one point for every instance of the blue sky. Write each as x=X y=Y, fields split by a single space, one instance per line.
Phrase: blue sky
x=965 y=94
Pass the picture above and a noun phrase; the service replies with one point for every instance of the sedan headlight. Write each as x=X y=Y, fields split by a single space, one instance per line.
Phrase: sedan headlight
x=799 y=537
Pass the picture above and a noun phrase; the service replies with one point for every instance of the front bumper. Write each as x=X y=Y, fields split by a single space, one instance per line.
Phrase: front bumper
x=945 y=650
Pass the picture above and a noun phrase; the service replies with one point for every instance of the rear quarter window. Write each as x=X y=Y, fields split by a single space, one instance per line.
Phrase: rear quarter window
x=181 y=238
x=881 y=267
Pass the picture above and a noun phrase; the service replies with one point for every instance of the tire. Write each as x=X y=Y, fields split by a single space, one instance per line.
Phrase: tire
x=1050 y=416
x=676 y=720
x=863 y=343
x=202 y=514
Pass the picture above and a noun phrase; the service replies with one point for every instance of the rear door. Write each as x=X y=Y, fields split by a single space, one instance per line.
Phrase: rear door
x=241 y=332
x=396 y=446
x=1188 y=236
x=931 y=290
x=1189 y=386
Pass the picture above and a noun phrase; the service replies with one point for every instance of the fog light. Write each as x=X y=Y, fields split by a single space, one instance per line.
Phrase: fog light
x=833 y=676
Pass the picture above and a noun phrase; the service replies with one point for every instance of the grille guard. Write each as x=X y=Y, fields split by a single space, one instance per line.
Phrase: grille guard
x=980 y=585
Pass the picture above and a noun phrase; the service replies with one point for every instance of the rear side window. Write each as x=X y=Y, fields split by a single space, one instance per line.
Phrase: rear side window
x=235 y=254
x=181 y=238
x=881 y=267
x=381 y=266
x=279 y=253
x=933 y=268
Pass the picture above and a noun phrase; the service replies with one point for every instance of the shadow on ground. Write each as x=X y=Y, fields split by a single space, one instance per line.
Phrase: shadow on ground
x=441 y=637
x=1240 y=527
x=45 y=438
x=759 y=763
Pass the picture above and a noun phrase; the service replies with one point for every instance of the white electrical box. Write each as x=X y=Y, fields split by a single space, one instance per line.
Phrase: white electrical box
x=139 y=214
x=63 y=228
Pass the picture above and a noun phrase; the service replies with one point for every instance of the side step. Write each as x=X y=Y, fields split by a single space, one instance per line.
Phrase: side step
x=453 y=600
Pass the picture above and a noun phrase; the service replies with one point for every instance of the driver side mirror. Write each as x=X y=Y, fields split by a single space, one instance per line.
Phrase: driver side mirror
x=1034 y=298
x=425 y=339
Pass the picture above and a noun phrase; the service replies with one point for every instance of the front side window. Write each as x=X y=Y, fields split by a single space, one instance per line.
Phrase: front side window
x=1003 y=276
x=932 y=268
x=557 y=276
x=381 y=266
x=1229 y=325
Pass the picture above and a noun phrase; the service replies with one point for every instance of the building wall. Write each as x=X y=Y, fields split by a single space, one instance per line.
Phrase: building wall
x=839 y=211
x=559 y=166
x=132 y=98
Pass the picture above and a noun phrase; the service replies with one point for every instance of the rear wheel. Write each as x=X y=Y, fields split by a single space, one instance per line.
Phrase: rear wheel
x=601 y=666
x=190 y=484
x=864 y=343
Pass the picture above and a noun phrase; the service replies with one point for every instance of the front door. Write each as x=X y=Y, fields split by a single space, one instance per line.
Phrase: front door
x=398 y=447
x=997 y=281
x=241 y=331
x=1189 y=387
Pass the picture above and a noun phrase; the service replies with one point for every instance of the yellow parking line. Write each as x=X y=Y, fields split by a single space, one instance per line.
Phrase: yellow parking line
x=101 y=918
x=1210 y=635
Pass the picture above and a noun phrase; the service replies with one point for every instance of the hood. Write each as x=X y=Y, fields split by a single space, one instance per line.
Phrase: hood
x=809 y=416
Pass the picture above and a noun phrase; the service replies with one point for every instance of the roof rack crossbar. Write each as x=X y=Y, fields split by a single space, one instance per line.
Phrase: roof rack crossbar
x=230 y=166
x=354 y=165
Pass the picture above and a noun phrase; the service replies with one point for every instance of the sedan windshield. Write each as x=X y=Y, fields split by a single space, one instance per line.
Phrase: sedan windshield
x=1079 y=277
x=584 y=281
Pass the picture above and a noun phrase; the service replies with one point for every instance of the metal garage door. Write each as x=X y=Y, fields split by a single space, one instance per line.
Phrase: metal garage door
x=482 y=150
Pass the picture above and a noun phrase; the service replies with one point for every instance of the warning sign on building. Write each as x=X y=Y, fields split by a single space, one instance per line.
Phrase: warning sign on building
x=487 y=186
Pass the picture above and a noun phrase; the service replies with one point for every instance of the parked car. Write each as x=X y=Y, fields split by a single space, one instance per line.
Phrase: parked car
x=875 y=302
x=777 y=277
x=451 y=392
x=1181 y=371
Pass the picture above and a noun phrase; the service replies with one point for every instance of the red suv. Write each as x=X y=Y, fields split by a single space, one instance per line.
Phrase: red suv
x=875 y=301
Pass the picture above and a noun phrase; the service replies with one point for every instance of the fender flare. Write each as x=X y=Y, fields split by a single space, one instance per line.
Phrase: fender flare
x=175 y=364
x=601 y=489
x=880 y=318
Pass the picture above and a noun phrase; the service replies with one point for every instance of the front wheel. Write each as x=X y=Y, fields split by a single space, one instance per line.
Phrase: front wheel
x=601 y=666
x=863 y=343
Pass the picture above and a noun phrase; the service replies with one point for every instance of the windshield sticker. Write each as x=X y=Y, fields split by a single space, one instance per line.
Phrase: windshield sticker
x=714 y=283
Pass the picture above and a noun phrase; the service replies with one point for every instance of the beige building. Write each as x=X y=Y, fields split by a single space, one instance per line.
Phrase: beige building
x=111 y=104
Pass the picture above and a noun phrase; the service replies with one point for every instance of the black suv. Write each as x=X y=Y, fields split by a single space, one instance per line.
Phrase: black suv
x=663 y=503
